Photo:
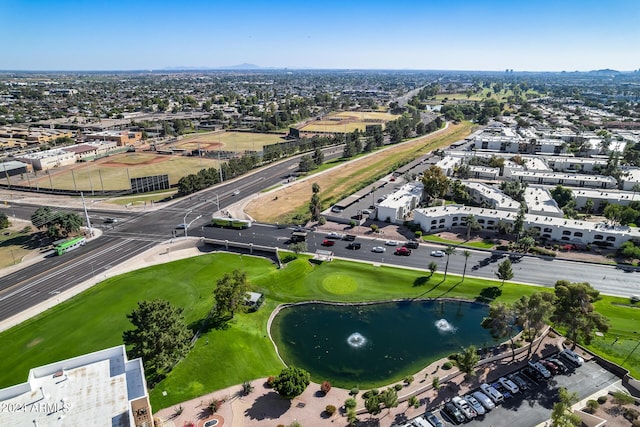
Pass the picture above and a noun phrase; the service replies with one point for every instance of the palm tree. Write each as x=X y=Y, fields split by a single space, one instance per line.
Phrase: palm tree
x=433 y=266
x=472 y=224
x=466 y=255
x=449 y=250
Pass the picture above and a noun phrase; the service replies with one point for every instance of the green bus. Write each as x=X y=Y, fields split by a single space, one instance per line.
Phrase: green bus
x=230 y=222
x=69 y=245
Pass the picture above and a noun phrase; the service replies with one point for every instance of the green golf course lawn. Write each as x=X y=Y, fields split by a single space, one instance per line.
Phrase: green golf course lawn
x=242 y=351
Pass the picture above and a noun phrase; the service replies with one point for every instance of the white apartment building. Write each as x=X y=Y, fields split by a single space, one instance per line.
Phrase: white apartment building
x=540 y=202
x=398 y=205
x=449 y=217
x=569 y=180
x=574 y=164
x=618 y=197
x=97 y=389
x=491 y=196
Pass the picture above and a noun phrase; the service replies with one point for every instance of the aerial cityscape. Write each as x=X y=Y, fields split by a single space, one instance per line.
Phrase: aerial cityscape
x=418 y=215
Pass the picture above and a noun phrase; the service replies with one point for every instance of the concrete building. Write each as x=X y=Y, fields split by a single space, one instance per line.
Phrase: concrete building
x=622 y=198
x=48 y=159
x=570 y=180
x=484 y=172
x=12 y=168
x=574 y=164
x=99 y=389
x=630 y=178
x=491 y=196
x=398 y=205
x=121 y=138
x=449 y=217
x=540 y=202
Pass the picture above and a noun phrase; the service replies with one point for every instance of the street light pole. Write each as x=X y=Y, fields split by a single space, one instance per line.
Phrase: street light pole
x=184 y=222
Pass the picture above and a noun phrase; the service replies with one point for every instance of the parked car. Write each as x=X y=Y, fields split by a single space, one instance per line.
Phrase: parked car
x=492 y=393
x=437 y=253
x=560 y=364
x=327 y=242
x=433 y=420
x=540 y=368
x=412 y=245
x=354 y=245
x=334 y=235
x=477 y=406
x=454 y=413
x=572 y=357
x=349 y=237
x=504 y=391
x=366 y=211
x=336 y=209
x=419 y=422
x=378 y=249
x=509 y=385
x=484 y=400
x=520 y=382
x=391 y=243
x=403 y=251
x=464 y=407
x=551 y=367
x=532 y=374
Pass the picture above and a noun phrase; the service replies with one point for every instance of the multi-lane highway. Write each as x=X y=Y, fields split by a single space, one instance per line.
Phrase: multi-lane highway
x=136 y=232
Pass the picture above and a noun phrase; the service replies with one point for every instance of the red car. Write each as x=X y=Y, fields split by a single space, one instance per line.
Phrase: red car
x=327 y=242
x=403 y=251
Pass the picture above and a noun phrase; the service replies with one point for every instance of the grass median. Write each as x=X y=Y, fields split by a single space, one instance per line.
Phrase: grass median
x=241 y=350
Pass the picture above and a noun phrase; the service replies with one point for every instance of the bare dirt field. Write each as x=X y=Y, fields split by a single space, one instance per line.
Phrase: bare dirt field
x=228 y=141
x=113 y=173
x=277 y=205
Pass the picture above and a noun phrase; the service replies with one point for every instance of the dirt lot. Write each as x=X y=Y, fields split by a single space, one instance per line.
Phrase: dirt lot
x=276 y=205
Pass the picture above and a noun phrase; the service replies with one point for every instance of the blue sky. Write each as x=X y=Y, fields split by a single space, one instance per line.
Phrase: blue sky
x=428 y=34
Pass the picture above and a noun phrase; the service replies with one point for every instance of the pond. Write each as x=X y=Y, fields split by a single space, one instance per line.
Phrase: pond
x=375 y=344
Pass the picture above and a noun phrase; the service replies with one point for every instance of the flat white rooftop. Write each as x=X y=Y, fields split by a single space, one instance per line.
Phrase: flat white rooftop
x=93 y=389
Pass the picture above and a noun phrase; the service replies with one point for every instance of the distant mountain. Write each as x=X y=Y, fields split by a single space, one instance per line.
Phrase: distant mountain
x=244 y=66
x=604 y=71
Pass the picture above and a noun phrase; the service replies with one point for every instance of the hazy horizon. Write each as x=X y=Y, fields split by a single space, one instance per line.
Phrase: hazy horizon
x=429 y=35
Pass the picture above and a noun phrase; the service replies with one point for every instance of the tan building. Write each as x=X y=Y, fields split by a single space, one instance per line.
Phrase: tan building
x=48 y=159
x=121 y=138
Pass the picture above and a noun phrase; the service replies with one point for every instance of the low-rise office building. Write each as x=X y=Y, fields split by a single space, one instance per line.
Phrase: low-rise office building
x=102 y=389
x=49 y=159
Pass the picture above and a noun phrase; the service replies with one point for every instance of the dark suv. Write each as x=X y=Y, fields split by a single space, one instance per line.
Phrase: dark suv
x=412 y=244
x=354 y=245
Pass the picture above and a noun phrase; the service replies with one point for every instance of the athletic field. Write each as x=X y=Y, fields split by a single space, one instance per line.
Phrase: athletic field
x=113 y=173
x=348 y=121
x=227 y=141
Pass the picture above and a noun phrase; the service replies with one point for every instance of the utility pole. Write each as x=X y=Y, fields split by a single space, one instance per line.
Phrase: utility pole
x=86 y=215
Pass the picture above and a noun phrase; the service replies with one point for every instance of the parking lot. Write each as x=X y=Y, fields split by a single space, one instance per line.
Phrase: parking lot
x=533 y=406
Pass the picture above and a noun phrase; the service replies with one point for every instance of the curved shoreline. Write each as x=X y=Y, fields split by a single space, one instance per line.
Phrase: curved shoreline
x=280 y=307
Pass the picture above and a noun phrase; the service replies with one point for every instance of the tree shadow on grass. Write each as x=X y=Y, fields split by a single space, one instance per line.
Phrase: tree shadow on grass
x=422 y=280
x=214 y=321
x=268 y=406
x=489 y=294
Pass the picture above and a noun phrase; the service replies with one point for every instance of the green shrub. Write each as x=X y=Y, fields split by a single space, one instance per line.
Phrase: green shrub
x=592 y=406
x=542 y=251
x=602 y=399
x=635 y=423
x=447 y=365
x=622 y=398
x=322 y=220
x=271 y=380
x=436 y=382
x=418 y=234
x=354 y=391
x=408 y=379
x=330 y=409
x=398 y=387
x=350 y=403
x=413 y=401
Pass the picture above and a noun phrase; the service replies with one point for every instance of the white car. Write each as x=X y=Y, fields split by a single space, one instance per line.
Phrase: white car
x=235 y=193
x=484 y=400
x=473 y=402
x=492 y=393
x=509 y=385
x=437 y=253
x=464 y=407
x=378 y=249
x=391 y=243
x=334 y=235
x=181 y=226
x=572 y=356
